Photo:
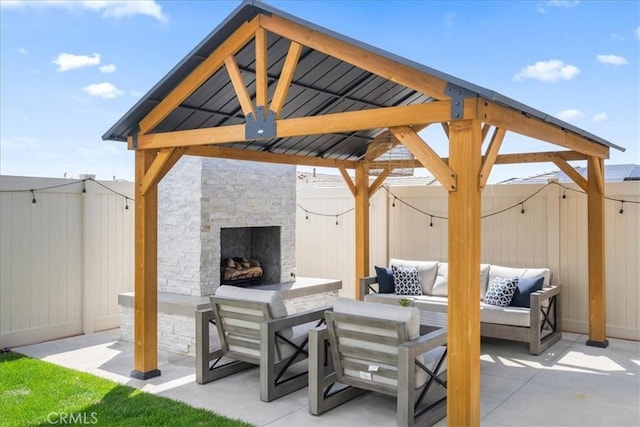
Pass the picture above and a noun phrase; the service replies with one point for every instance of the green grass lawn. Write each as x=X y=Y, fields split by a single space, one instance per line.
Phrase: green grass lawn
x=33 y=392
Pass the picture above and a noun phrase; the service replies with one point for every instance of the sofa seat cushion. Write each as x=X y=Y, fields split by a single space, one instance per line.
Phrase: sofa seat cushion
x=514 y=316
x=426 y=271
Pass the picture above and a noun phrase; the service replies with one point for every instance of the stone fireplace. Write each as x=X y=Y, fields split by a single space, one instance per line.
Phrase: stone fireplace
x=210 y=209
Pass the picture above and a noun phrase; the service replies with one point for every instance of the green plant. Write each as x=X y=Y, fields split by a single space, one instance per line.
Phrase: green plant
x=404 y=302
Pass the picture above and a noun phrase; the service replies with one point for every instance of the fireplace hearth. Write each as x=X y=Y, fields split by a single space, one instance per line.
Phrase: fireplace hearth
x=259 y=250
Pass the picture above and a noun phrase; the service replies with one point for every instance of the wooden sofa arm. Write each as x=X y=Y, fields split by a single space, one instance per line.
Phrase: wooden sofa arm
x=426 y=342
x=545 y=318
x=365 y=286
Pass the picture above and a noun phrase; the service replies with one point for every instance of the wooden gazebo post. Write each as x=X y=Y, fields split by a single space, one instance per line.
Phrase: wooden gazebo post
x=145 y=338
x=463 y=373
x=595 y=218
x=362 y=222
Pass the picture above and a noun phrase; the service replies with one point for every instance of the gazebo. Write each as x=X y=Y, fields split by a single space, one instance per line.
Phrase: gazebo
x=266 y=86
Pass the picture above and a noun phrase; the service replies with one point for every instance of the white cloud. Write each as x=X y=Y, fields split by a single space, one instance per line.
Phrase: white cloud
x=108 y=68
x=22 y=51
x=568 y=4
x=103 y=90
x=67 y=61
x=570 y=114
x=638 y=32
x=600 y=117
x=548 y=71
x=109 y=9
x=612 y=59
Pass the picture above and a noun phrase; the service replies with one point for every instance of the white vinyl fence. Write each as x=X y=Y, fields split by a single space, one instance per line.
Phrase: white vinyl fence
x=64 y=259
x=552 y=232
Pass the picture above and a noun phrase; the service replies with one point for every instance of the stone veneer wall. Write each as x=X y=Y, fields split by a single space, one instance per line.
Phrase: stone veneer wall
x=201 y=195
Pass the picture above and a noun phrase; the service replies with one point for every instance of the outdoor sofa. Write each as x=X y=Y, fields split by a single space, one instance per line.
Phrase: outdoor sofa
x=531 y=314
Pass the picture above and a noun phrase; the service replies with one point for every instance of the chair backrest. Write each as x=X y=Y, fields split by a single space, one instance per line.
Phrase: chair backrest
x=364 y=339
x=238 y=313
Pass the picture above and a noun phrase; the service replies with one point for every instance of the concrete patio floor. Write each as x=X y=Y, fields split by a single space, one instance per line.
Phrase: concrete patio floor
x=569 y=385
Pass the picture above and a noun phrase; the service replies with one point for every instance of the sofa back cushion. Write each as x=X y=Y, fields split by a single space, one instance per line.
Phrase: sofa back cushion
x=426 y=272
x=441 y=284
x=501 y=272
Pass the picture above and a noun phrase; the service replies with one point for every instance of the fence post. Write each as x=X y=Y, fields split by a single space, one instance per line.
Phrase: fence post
x=553 y=230
x=87 y=219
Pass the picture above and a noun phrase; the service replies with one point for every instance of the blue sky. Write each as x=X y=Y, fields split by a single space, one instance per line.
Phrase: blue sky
x=69 y=70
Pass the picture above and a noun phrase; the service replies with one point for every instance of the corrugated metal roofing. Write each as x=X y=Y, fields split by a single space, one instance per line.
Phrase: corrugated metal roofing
x=612 y=173
x=321 y=85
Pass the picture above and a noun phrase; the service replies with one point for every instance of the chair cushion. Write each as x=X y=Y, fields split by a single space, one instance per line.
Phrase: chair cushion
x=274 y=299
x=385 y=280
x=426 y=271
x=500 y=292
x=406 y=280
x=526 y=286
x=409 y=315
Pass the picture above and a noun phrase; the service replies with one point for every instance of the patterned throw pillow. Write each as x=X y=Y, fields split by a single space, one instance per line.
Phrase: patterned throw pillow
x=406 y=280
x=501 y=291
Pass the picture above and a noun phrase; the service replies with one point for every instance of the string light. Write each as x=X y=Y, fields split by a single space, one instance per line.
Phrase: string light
x=393 y=205
x=33 y=197
x=126 y=203
x=564 y=193
x=84 y=188
x=337 y=220
x=306 y=215
x=522 y=208
x=431 y=221
x=621 y=211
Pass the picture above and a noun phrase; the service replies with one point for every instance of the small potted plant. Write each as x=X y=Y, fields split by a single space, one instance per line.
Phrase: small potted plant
x=405 y=302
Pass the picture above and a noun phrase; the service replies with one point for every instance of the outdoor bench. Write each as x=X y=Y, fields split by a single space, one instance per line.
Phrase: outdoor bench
x=533 y=315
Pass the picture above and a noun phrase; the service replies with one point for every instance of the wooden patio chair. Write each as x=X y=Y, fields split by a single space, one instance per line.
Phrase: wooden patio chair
x=254 y=328
x=378 y=347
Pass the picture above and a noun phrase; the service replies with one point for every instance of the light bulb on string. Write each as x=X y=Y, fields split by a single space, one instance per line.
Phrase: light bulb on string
x=33 y=197
x=621 y=211
x=337 y=220
x=393 y=205
x=126 y=203
x=431 y=221
x=564 y=193
x=84 y=188
x=522 y=208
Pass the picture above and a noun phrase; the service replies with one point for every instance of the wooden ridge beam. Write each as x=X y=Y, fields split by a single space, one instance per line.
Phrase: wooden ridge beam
x=547 y=156
x=490 y=157
x=199 y=75
x=350 y=121
x=514 y=121
x=262 y=84
x=239 y=86
x=427 y=157
x=367 y=60
x=286 y=76
x=501 y=159
x=261 y=156
x=571 y=172
x=347 y=180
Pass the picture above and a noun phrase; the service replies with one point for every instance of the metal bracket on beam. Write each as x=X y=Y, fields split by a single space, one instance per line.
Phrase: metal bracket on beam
x=134 y=137
x=260 y=126
x=458 y=95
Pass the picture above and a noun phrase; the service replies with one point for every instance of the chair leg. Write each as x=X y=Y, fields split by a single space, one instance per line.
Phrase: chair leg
x=322 y=379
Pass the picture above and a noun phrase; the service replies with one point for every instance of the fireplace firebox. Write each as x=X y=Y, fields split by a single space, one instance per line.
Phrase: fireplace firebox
x=250 y=255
